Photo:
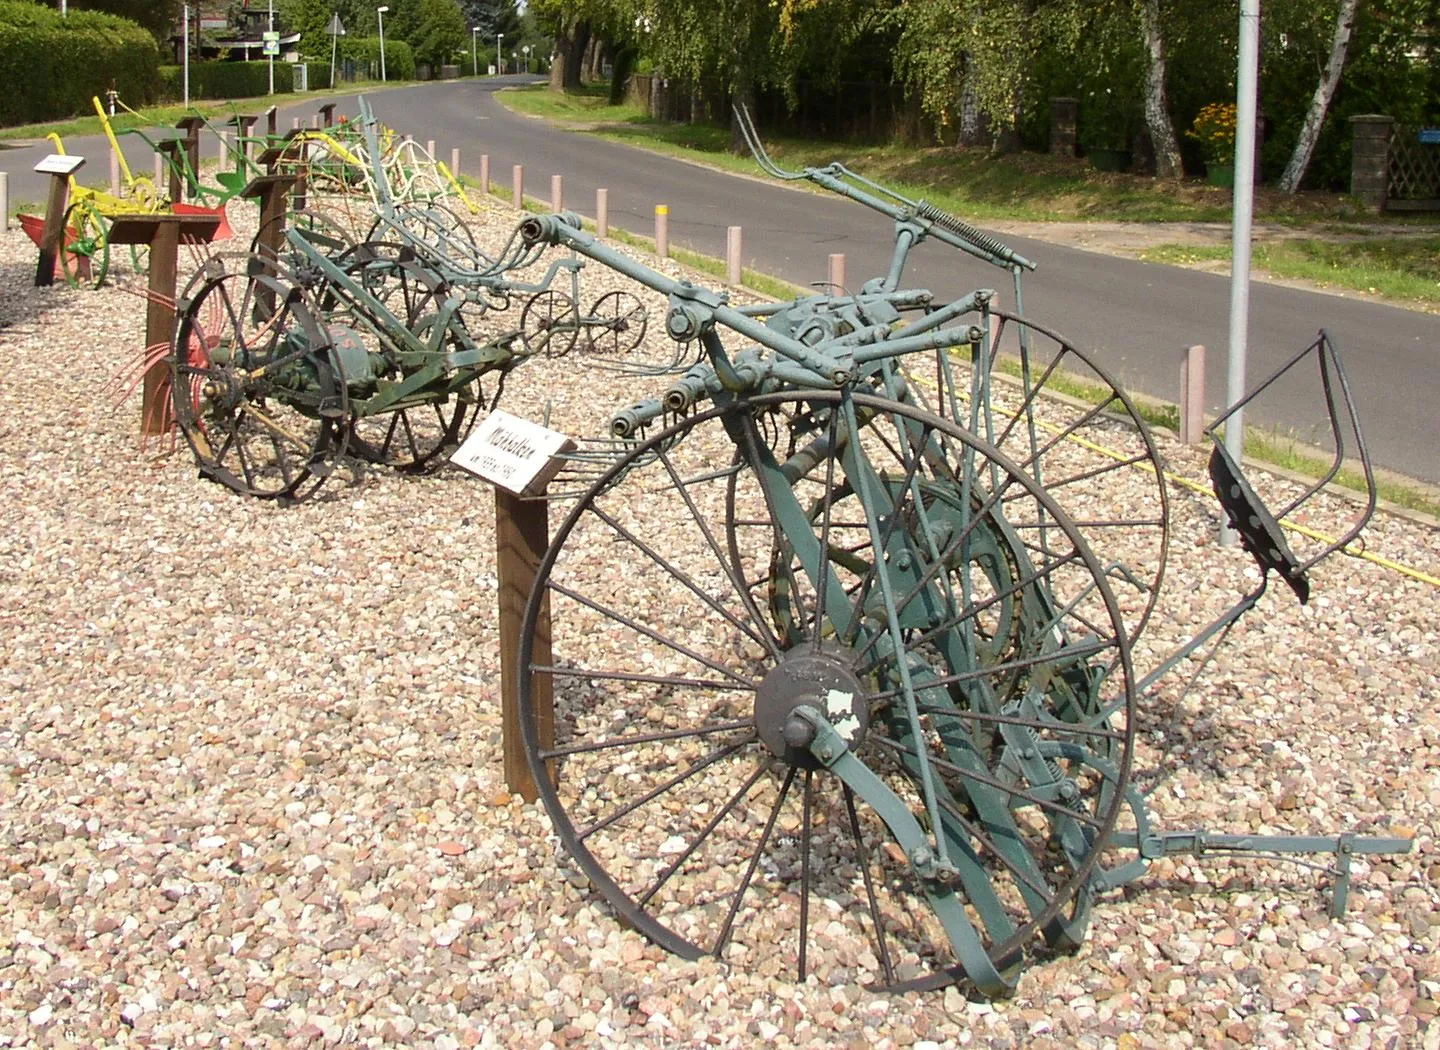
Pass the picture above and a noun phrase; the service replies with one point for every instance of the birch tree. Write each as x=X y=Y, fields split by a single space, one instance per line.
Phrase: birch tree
x=1157 y=103
x=1324 y=95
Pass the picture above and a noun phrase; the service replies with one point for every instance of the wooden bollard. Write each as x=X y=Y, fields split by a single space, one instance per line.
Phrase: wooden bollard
x=835 y=277
x=114 y=173
x=485 y=173
x=4 y=200
x=315 y=122
x=602 y=213
x=517 y=185
x=222 y=152
x=557 y=194
x=732 y=255
x=430 y=148
x=1192 y=395
x=662 y=230
x=159 y=171
x=455 y=162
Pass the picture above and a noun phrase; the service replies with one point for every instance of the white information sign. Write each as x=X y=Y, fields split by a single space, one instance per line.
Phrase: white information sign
x=271 y=42
x=514 y=453
x=60 y=164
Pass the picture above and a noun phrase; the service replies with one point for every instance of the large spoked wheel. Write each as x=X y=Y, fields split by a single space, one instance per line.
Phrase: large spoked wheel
x=85 y=255
x=616 y=324
x=256 y=388
x=673 y=777
x=437 y=228
x=418 y=434
x=1062 y=419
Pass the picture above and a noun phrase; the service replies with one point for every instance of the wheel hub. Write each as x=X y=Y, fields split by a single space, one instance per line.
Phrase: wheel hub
x=806 y=678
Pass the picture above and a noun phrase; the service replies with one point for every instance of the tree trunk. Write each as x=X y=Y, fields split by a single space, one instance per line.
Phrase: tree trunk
x=570 y=44
x=621 y=63
x=1324 y=94
x=1157 y=106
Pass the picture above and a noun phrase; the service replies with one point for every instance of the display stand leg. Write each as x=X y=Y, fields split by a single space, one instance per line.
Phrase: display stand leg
x=159 y=319
x=52 y=236
x=521 y=537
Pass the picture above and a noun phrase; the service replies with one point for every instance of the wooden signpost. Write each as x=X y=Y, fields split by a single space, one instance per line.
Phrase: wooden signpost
x=59 y=166
x=519 y=458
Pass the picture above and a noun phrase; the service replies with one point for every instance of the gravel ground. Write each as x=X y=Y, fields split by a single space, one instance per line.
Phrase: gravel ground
x=251 y=791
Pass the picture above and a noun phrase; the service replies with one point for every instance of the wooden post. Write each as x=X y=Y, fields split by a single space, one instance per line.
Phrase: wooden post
x=602 y=213
x=835 y=278
x=163 y=234
x=159 y=171
x=517 y=185
x=1192 y=395
x=327 y=114
x=430 y=148
x=455 y=161
x=557 y=195
x=485 y=173
x=222 y=152
x=4 y=200
x=114 y=172
x=191 y=126
x=272 y=118
x=52 y=236
x=174 y=148
x=732 y=255
x=159 y=319
x=662 y=230
x=521 y=536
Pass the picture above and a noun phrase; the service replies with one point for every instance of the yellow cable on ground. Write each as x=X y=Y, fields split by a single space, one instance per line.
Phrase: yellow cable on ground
x=1303 y=530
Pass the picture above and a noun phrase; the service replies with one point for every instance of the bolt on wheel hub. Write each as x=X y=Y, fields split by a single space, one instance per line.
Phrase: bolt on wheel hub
x=807 y=678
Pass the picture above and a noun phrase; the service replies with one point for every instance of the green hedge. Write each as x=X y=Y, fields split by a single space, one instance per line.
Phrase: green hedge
x=52 y=67
x=226 y=80
x=399 y=58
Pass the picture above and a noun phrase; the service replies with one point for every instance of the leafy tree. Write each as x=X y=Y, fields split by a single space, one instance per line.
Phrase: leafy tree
x=158 y=16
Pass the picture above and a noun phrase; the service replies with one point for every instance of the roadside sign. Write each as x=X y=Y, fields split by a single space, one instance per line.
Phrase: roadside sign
x=335 y=28
x=272 y=43
x=1430 y=136
x=514 y=453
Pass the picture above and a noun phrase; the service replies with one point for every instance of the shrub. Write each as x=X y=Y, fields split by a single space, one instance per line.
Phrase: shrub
x=227 y=79
x=52 y=67
x=365 y=51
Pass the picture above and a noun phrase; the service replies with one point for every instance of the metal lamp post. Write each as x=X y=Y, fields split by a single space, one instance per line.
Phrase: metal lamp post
x=380 y=19
x=474 y=57
x=526 y=50
x=499 y=59
x=270 y=27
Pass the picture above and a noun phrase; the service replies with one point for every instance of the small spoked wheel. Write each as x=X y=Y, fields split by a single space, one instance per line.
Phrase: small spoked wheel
x=616 y=324
x=549 y=324
x=950 y=818
x=256 y=388
x=85 y=253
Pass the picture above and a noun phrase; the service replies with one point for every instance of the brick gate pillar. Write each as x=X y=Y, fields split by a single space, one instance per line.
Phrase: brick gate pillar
x=1370 y=159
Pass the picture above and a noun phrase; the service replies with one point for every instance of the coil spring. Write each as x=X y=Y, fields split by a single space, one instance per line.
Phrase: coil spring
x=961 y=228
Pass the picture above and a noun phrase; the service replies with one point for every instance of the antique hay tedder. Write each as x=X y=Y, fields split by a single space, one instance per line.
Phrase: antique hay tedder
x=843 y=636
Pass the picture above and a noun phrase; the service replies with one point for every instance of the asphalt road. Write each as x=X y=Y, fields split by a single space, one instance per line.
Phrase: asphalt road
x=1135 y=318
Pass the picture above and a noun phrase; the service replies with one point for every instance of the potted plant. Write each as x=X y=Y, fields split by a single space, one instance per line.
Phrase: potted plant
x=1106 y=128
x=1214 y=129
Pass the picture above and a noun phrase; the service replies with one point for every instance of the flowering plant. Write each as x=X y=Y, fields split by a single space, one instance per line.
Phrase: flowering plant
x=1214 y=129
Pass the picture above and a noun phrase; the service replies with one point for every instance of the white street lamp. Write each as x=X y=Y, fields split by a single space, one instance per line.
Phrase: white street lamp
x=499 y=59
x=526 y=49
x=271 y=58
x=380 y=18
x=474 y=58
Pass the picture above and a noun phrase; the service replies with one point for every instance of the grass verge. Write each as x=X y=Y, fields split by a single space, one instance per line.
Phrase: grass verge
x=971 y=182
x=1405 y=269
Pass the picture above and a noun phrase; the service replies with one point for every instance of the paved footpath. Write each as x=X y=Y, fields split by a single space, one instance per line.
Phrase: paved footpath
x=1134 y=317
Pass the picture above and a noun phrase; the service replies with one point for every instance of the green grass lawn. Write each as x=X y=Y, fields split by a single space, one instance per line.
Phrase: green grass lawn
x=1405 y=269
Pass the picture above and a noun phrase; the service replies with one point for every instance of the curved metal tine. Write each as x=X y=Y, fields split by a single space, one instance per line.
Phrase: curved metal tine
x=757 y=150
